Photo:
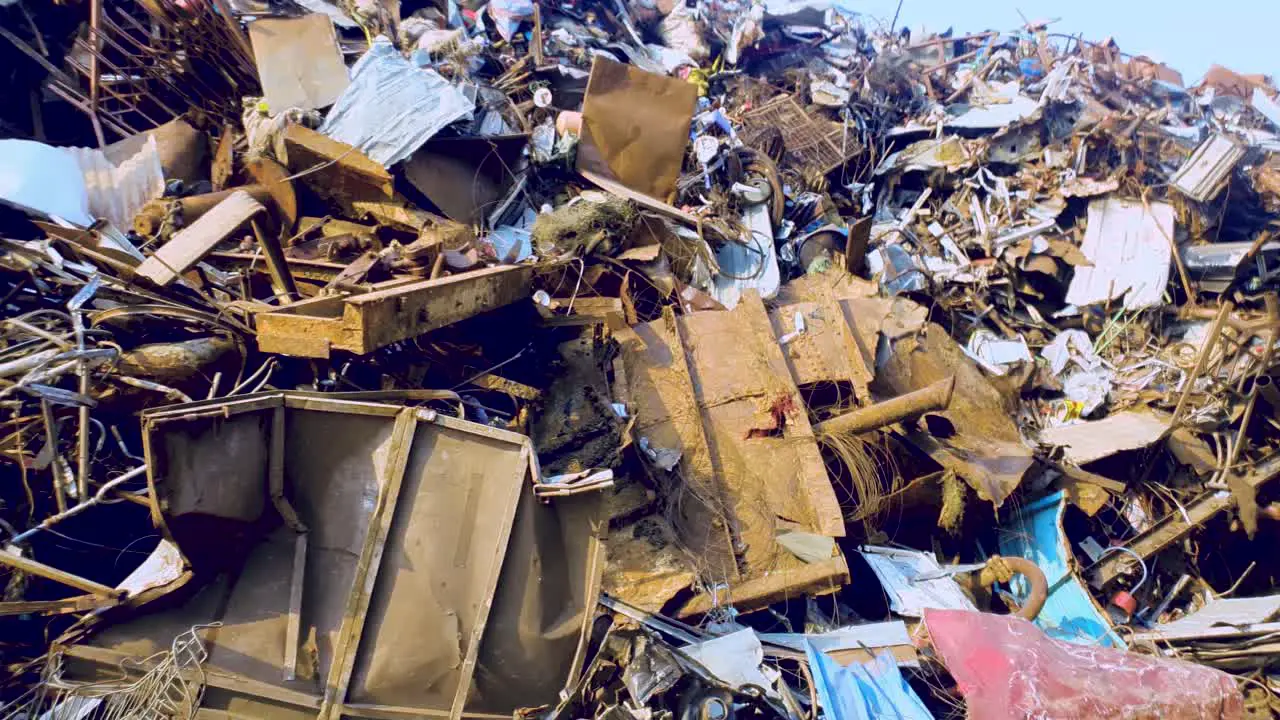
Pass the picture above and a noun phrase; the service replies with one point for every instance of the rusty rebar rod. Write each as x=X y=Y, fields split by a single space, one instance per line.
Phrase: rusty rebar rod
x=95 y=17
x=150 y=68
x=94 y=55
x=77 y=101
x=117 y=95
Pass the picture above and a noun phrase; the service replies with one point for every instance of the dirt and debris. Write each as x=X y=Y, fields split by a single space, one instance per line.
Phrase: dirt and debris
x=629 y=359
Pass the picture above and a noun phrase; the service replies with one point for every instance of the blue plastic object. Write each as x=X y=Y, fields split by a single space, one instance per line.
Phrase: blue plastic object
x=864 y=691
x=1035 y=533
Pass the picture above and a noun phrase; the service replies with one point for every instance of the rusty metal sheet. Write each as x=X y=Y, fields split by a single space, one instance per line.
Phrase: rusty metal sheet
x=299 y=62
x=635 y=127
x=715 y=385
x=335 y=170
x=391 y=312
x=466 y=177
x=984 y=448
x=421 y=532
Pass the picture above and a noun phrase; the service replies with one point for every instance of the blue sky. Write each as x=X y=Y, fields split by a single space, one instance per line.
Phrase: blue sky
x=1188 y=35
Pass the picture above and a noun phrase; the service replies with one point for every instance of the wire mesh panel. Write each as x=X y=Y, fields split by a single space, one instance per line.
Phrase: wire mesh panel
x=814 y=144
x=172 y=688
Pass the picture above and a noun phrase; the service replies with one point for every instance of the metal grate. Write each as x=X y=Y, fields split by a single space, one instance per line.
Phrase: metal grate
x=811 y=144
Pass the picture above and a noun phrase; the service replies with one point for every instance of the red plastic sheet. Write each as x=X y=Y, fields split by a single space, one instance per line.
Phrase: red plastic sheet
x=1008 y=668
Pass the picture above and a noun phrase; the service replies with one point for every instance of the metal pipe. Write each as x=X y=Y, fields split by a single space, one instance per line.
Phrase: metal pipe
x=1266 y=385
x=278 y=266
x=928 y=399
x=28 y=363
x=149 y=219
x=97 y=499
x=1173 y=594
x=95 y=72
x=1244 y=325
x=55 y=467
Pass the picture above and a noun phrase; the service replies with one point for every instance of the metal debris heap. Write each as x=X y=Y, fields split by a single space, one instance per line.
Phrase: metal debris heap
x=629 y=359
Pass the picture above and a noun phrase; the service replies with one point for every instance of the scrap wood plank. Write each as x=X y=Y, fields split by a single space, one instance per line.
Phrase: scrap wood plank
x=365 y=322
x=191 y=244
x=1177 y=525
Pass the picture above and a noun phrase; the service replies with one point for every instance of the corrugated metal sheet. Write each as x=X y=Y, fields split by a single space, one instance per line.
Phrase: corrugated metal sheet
x=392 y=107
x=1206 y=172
x=1129 y=245
x=118 y=192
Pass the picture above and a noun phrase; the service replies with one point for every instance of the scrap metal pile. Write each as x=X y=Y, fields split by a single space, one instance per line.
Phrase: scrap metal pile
x=629 y=359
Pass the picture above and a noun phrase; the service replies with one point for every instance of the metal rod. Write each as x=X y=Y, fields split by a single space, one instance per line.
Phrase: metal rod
x=120 y=127
x=75 y=306
x=1210 y=340
x=150 y=68
x=55 y=467
x=97 y=499
x=1173 y=594
x=95 y=16
x=31 y=53
x=96 y=56
x=276 y=262
x=934 y=397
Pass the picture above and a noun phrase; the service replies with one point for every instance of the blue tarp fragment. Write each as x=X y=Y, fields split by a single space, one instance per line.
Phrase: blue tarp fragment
x=864 y=691
x=1035 y=532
